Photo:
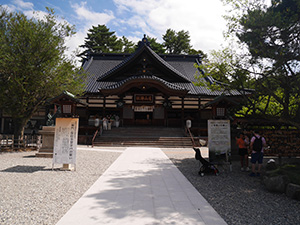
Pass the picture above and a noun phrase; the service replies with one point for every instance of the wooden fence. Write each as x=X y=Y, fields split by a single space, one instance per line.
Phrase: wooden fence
x=282 y=142
x=30 y=141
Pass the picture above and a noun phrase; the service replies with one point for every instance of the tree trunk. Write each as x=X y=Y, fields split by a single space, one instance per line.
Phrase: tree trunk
x=19 y=125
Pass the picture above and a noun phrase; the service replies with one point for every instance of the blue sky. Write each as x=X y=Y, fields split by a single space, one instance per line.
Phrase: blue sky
x=133 y=18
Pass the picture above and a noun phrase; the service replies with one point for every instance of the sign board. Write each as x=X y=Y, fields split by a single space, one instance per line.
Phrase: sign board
x=143 y=108
x=65 y=141
x=219 y=136
x=143 y=98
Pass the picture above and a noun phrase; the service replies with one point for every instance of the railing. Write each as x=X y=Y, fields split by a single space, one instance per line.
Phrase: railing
x=28 y=141
x=99 y=130
x=191 y=136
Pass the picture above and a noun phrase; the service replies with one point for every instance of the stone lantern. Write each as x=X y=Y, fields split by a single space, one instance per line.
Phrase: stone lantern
x=66 y=103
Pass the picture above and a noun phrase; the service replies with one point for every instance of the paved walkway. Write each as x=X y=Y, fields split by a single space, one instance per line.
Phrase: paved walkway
x=142 y=187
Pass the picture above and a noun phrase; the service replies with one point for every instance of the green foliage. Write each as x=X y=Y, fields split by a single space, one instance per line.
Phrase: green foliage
x=177 y=42
x=271 y=35
x=33 y=67
x=192 y=51
x=225 y=69
x=101 y=40
x=128 y=46
x=156 y=46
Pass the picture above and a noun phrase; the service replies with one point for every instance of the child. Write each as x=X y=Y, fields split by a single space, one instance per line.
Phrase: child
x=243 y=151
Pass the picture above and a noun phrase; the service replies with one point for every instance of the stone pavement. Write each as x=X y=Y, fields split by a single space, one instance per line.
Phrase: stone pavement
x=141 y=187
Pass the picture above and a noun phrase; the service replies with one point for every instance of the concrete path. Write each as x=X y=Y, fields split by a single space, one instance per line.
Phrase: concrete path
x=142 y=187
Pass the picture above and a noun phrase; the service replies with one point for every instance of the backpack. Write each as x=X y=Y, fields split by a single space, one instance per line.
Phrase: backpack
x=257 y=144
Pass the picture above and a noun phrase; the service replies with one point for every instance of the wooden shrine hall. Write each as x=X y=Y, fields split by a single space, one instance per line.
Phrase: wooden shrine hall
x=147 y=89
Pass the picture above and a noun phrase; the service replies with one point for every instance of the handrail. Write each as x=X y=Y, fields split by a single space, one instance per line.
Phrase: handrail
x=191 y=136
x=95 y=135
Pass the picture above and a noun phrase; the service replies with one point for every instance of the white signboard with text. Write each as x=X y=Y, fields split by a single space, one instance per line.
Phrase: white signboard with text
x=219 y=136
x=65 y=141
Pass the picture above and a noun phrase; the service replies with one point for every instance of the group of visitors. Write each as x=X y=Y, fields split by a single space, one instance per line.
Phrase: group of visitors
x=254 y=146
x=107 y=121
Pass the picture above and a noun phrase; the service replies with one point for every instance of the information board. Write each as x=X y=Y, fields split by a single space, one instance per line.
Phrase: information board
x=65 y=141
x=219 y=136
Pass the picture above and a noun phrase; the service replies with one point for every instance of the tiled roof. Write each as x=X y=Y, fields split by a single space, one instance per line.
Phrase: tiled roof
x=135 y=55
x=97 y=68
x=68 y=95
x=102 y=65
x=120 y=83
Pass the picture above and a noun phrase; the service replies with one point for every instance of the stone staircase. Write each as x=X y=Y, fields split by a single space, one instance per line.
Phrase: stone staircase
x=144 y=136
x=45 y=153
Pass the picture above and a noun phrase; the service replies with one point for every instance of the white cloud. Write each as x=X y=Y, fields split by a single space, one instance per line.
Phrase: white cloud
x=133 y=18
x=9 y=8
x=202 y=19
x=19 y=5
x=36 y=14
x=88 y=18
x=22 y=5
x=141 y=7
x=91 y=17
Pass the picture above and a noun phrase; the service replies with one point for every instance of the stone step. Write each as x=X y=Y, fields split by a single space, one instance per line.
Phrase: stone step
x=44 y=155
x=161 y=141
x=143 y=132
x=143 y=136
x=117 y=144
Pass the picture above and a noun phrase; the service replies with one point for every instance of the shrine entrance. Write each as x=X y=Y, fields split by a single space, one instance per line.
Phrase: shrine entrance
x=143 y=118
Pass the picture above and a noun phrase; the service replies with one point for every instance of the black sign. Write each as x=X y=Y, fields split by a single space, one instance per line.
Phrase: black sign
x=143 y=98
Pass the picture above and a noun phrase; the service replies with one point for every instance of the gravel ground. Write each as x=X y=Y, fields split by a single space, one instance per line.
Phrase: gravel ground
x=31 y=193
x=238 y=198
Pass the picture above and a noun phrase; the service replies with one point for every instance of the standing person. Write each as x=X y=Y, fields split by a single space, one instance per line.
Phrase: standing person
x=97 y=121
x=105 y=123
x=257 y=145
x=243 y=152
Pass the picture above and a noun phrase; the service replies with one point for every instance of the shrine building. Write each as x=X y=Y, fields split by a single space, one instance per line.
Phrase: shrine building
x=148 y=89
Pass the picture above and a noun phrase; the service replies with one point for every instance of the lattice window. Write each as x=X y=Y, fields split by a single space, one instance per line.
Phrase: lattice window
x=220 y=112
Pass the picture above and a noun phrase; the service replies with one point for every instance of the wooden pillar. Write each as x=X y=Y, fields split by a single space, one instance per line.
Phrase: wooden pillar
x=182 y=111
x=199 y=110
x=87 y=110
x=104 y=106
x=166 y=112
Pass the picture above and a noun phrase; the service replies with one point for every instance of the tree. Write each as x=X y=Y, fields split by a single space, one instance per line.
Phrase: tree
x=228 y=72
x=100 y=40
x=33 y=67
x=155 y=46
x=271 y=35
x=177 y=42
x=223 y=66
x=197 y=52
x=128 y=46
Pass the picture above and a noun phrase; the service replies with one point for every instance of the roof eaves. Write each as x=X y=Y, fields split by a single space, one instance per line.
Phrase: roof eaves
x=122 y=64
x=120 y=83
x=87 y=64
x=165 y=63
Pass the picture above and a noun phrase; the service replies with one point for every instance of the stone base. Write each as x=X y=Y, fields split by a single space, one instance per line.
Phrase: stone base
x=276 y=183
x=67 y=167
x=46 y=151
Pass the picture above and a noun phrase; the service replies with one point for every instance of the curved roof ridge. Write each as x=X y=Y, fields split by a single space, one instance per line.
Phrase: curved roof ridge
x=136 y=54
x=124 y=62
x=166 y=64
x=120 y=83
